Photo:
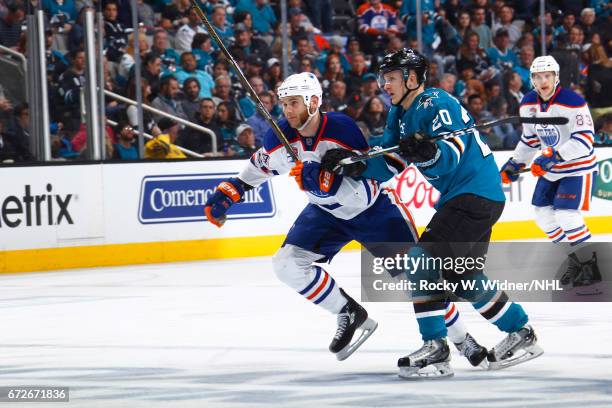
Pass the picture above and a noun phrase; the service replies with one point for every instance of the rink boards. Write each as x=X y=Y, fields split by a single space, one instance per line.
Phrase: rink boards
x=85 y=215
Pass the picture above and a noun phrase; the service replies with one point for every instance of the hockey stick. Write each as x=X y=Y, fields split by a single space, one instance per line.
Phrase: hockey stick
x=247 y=86
x=553 y=120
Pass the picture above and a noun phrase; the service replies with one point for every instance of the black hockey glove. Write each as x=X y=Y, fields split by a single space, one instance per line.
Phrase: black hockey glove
x=333 y=156
x=417 y=150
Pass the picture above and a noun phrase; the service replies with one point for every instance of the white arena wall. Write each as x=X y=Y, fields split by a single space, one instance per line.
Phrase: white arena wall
x=85 y=215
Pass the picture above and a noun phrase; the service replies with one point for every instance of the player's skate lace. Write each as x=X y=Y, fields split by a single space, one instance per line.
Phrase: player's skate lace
x=468 y=346
x=343 y=321
x=573 y=270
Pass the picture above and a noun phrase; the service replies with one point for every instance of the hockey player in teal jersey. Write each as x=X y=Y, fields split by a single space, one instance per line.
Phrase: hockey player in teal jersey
x=463 y=170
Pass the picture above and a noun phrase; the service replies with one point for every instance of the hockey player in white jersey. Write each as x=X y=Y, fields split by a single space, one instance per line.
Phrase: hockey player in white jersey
x=342 y=207
x=565 y=164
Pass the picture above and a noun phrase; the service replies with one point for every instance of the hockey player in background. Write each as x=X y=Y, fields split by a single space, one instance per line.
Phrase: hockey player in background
x=471 y=200
x=342 y=207
x=565 y=164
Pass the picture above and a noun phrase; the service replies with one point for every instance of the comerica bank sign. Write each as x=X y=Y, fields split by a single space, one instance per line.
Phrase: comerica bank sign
x=181 y=198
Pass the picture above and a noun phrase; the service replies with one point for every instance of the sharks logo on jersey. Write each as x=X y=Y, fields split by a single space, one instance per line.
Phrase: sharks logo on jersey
x=548 y=134
x=427 y=100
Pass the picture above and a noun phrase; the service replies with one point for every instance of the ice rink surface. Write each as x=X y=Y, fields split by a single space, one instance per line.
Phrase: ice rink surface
x=228 y=334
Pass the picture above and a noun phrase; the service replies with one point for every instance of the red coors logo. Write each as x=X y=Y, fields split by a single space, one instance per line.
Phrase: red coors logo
x=418 y=190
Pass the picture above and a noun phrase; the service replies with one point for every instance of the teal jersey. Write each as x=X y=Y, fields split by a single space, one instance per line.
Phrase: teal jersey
x=462 y=165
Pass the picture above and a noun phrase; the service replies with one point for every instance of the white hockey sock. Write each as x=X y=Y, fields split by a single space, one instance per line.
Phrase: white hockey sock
x=454 y=324
x=324 y=291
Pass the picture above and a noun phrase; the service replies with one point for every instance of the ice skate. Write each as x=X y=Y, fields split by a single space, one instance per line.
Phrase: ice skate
x=573 y=269
x=589 y=274
x=516 y=348
x=430 y=361
x=474 y=352
x=353 y=317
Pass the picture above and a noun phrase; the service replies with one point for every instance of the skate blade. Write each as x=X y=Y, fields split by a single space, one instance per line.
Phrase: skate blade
x=530 y=353
x=367 y=328
x=430 y=372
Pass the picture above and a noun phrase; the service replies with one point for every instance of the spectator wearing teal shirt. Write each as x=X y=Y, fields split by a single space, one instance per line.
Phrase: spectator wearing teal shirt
x=261 y=12
x=65 y=7
x=219 y=23
x=125 y=149
x=189 y=69
x=501 y=55
x=202 y=48
x=527 y=55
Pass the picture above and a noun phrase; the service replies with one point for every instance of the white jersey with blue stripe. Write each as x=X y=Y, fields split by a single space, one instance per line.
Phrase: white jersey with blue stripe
x=352 y=195
x=573 y=141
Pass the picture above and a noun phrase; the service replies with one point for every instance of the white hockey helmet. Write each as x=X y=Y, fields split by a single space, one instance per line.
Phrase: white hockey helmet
x=304 y=84
x=544 y=63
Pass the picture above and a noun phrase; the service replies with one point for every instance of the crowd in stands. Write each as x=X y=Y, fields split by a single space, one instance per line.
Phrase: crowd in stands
x=479 y=51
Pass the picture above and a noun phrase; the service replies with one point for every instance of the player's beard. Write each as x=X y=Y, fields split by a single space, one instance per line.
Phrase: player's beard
x=302 y=118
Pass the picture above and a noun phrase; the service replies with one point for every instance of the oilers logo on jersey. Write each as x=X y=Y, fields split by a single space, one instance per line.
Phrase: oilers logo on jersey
x=548 y=134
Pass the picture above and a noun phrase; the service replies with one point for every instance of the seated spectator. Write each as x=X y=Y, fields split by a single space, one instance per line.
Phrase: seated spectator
x=332 y=73
x=527 y=56
x=243 y=17
x=303 y=48
x=587 y=19
x=191 y=97
x=501 y=55
x=168 y=100
x=61 y=148
x=470 y=53
x=226 y=118
x=245 y=104
x=55 y=61
x=273 y=73
x=184 y=35
x=569 y=20
x=337 y=99
x=603 y=134
x=248 y=45
x=504 y=136
x=115 y=34
x=223 y=92
x=514 y=94
x=374 y=115
x=19 y=134
x=197 y=141
x=189 y=69
x=448 y=82
x=244 y=145
x=201 y=48
x=376 y=23
x=125 y=148
x=354 y=77
x=79 y=141
x=62 y=13
x=480 y=27
x=507 y=22
x=150 y=126
x=70 y=83
x=335 y=47
x=127 y=59
x=219 y=23
x=161 y=47
x=146 y=14
x=162 y=146
x=476 y=108
x=263 y=17
x=258 y=122
x=10 y=25
x=151 y=71
x=174 y=14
